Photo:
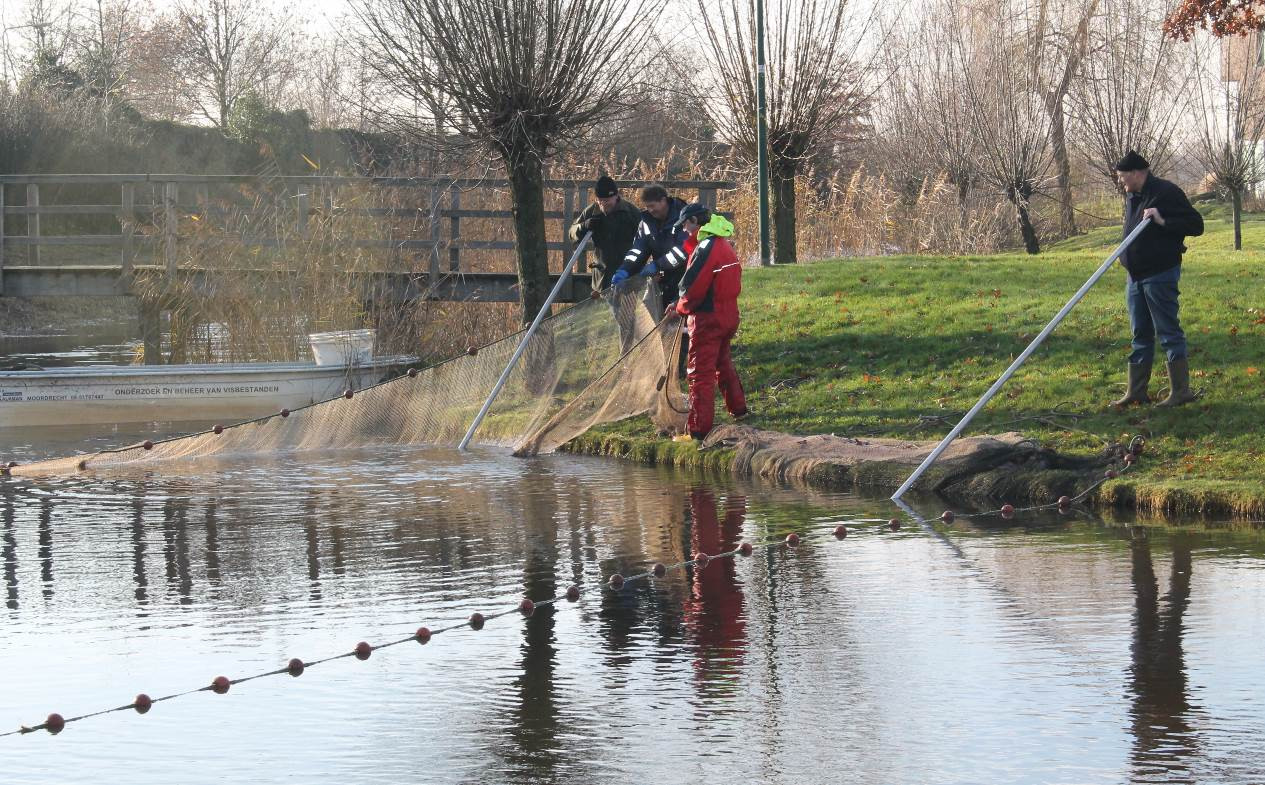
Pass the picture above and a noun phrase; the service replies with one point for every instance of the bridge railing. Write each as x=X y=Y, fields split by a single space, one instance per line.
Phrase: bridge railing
x=149 y=210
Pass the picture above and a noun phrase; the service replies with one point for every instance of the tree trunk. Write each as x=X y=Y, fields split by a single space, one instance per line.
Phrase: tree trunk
x=527 y=189
x=1236 y=200
x=784 y=215
x=1058 y=145
x=1030 y=241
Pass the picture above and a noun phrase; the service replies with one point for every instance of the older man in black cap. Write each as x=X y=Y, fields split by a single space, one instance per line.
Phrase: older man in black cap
x=613 y=223
x=1154 y=265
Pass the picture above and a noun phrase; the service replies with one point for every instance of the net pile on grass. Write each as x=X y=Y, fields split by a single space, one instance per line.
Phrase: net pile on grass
x=571 y=377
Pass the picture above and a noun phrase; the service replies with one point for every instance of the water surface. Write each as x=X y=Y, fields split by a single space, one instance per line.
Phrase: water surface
x=1065 y=650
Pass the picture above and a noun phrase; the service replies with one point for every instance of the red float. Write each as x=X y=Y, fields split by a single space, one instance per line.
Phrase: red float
x=348 y=393
x=526 y=607
x=13 y=464
x=295 y=667
x=946 y=516
x=573 y=593
x=894 y=524
x=792 y=539
x=1111 y=474
x=412 y=373
x=143 y=703
x=422 y=635
x=1007 y=511
x=472 y=350
x=363 y=650
x=55 y=723
x=617 y=581
x=285 y=412
x=147 y=444
x=217 y=430
x=745 y=549
x=659 y=571
x=477 y=621
x=841 y=531
x=220 y=685
x=1065 y=501
x=83 y=465
x=596 y=295
x=1129 y=458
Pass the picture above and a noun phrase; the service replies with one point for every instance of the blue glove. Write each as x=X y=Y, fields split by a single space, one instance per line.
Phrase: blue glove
x=649 y=270
x=619 y=277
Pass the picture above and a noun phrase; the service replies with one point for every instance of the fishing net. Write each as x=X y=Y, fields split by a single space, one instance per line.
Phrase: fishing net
x=598 y=361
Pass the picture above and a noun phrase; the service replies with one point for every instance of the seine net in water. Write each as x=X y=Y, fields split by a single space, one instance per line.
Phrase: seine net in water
x=595 y=362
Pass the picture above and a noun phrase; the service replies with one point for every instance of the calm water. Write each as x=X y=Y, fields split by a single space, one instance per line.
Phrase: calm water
x=1072 y=651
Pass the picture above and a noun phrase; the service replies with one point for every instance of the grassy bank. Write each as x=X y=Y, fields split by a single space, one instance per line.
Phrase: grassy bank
x=902 y=346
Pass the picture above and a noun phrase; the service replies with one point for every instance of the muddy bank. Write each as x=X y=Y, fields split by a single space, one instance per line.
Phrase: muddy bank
x=975 y=470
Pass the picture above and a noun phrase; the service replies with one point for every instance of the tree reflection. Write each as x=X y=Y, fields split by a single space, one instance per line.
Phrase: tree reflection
x=1164 y=741
x=10 y=550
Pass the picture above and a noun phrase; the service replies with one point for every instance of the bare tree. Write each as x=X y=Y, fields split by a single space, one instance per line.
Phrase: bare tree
x=991 y=45
x=1229 y=104
x=1133 y=90
x=817 y=83
x=231 y=48
x=104 y=45
x=1056 y=46
x=926 y=123
x=524 y=78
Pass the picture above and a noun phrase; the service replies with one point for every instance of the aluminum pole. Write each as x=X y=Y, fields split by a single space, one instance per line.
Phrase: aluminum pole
x=1014 y=366
x=522 y=345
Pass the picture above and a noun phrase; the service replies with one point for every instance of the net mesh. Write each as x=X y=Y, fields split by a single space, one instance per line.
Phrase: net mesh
x=598 y=361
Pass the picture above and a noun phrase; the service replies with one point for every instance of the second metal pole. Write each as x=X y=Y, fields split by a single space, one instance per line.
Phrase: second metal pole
x=522 y=345
x=1014 y=366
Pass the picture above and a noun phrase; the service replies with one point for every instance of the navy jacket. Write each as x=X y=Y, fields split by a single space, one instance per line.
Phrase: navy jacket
x=1158 y=248
x=657 y=241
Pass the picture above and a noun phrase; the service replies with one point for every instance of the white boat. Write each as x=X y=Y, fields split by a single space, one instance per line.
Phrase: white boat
x=226 y=392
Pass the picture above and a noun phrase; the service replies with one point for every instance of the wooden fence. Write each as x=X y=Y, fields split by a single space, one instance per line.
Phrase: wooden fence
x=111 y=258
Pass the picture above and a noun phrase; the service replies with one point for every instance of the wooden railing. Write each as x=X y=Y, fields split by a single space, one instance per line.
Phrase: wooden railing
x=25 y=197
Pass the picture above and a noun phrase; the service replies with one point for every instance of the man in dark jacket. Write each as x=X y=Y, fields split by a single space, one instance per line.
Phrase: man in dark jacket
x=1154 y=265
x=613 y=223
x=658 y=247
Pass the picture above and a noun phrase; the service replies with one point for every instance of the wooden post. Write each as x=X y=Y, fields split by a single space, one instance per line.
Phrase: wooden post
x=568 y=206
x=454 y=229
x=33 y=224
x=127 y=215
x=151 y=332
x=582 y=264
x=434 y=232
x=304 y=207
x=170 y=194
x=1 y=239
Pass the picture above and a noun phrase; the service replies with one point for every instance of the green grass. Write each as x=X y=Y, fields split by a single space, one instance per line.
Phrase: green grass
x=874 y=346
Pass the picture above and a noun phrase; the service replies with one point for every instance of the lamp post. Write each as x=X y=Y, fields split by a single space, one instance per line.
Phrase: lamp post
x=762 y=137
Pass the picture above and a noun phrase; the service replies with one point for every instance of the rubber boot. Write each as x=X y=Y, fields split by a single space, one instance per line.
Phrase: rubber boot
x=1139 y=378
x=1178 y=383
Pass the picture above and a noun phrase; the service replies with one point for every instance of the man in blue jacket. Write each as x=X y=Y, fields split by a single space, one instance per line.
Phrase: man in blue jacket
x=657 y=249
x=1154 y=265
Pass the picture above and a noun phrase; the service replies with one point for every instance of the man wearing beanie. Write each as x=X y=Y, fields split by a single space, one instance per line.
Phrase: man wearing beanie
x=1154 y=265
x=613 y=223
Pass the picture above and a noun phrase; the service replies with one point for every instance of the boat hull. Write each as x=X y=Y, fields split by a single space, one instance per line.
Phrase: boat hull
x=174 y=393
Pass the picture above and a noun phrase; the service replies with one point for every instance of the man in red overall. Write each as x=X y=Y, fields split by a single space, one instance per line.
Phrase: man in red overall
x=709 y=297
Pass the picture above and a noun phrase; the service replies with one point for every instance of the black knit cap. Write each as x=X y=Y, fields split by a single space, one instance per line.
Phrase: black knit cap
x=605 y=187
x=1132 y=162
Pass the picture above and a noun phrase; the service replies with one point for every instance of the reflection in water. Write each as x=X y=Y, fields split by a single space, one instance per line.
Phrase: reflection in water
x=713 y=612
x=1164 y=741
x=10 y=552
x=880 y=658
x=46 y=547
